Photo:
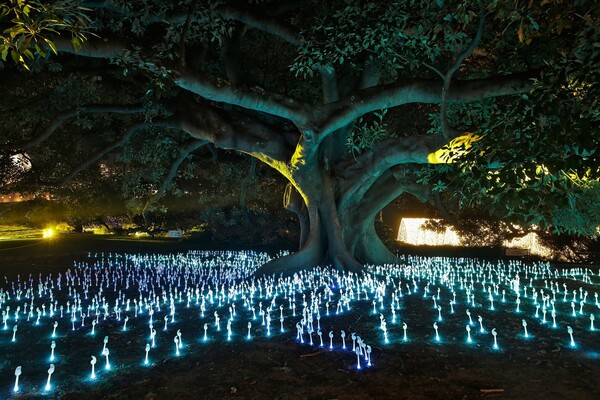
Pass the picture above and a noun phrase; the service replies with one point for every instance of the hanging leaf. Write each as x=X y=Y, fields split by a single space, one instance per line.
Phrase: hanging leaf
x=521 y=34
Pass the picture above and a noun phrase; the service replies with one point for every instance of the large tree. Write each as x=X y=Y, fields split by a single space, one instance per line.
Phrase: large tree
x=353 y=102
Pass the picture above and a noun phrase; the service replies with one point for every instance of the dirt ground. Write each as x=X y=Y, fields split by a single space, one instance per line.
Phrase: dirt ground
x=282 y=368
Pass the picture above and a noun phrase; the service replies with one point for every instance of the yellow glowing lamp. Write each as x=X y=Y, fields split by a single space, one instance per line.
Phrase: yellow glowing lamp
x=457 y=147
x=48 y=233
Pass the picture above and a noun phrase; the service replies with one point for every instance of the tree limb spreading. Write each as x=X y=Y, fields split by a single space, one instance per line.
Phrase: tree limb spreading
x=60 y=119
x=168 y=123
x=447 y=78
x=336 y=115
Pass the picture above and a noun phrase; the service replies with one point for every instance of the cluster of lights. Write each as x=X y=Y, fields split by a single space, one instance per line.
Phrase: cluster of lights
x=214 y=297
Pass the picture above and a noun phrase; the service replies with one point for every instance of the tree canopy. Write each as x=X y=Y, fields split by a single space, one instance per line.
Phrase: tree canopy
x=489 y=105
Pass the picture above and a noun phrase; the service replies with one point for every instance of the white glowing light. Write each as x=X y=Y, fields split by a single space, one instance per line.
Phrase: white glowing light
x=412 y=231
x=17 y=374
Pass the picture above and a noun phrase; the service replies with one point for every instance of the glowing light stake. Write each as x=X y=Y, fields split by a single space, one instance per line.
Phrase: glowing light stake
x=494 y=334
x=105 y=353
x=357 y=351
x=544 y=315
x=281 y=322
x=368 y=350
x=480 y=319
x=320 y=337
x=93 y=362
x=125 y=323
x=437 y=335
x=52 y=347
x=166 y=322
x=404 y=327
x=469 y=334
x=50 y=372
x=439 y=308
x=17 y=374
x=374 y=307
x=353 y=336
x=573 y=308
x=14 y=338
x=330 y=340
x=451 y=307
x=176 y=340
x=94 y=326
x=570 y=331
x=469 y=315
x=592 y=322
x=553 y=319
x=105 y=343
x=343 y=335
x=54 y=330
x=147 y=351
x=518 y=305
x=525 y=328
x=205 y=332
x=179 y=337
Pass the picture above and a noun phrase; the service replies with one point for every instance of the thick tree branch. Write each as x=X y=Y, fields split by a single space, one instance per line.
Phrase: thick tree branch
x=195 y=82
x=168 y=123
x=329 y=84
x=61 y=118
x=253 y=19
x=263 y=23
x=186 y=148
x=106 y=47
x=338 y=114
x=361 y=174
x=223 y=92
x=232 y=129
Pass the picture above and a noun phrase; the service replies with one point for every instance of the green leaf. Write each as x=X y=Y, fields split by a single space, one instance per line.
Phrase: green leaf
x=76 y=43
x=52 y=46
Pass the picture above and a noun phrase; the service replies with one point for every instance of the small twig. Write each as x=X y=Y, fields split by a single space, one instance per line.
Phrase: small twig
x=490 y=391
x=316 y=353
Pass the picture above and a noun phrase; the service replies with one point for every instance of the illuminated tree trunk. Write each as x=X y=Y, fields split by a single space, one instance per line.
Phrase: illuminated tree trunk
x=337 y=229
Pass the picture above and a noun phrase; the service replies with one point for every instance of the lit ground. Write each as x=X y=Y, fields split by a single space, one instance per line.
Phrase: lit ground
x=541 y=366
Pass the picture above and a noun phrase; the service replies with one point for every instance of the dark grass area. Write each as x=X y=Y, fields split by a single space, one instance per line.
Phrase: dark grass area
x=281 y=368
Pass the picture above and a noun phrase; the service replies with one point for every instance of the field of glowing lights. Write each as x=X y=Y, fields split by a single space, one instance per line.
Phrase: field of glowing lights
x=117 y=320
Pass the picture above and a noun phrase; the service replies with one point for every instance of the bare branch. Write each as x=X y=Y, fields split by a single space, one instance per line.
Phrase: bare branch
x=124 y=139
x=60 y=119
x=185 y=150
x=448 y=77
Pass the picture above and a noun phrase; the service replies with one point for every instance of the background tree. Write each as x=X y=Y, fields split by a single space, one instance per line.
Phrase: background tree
x=352 y=102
